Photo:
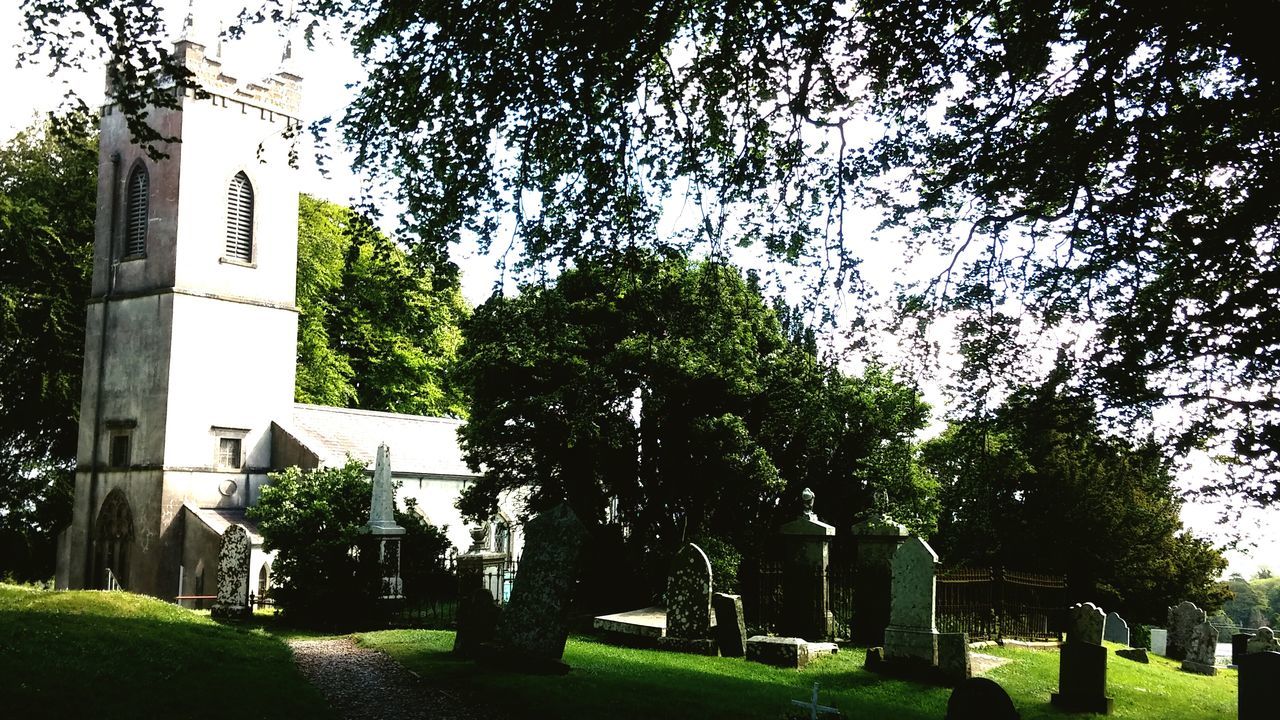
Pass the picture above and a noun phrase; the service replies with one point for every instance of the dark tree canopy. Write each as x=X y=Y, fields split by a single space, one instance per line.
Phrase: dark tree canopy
x=1036 y=486
x=1103 y=161
x=661 y=399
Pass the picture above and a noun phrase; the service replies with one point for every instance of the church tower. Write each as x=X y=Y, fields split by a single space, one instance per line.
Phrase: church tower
x=190 y=339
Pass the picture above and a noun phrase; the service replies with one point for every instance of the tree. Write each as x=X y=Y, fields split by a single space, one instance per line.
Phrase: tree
x=1097 y=160
x=312 y=520
x=660 y=398
x=1036 y=485
x=46 y=219
x=376 y=330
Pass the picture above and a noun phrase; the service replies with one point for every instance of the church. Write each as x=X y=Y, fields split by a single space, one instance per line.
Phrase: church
x=190 y=351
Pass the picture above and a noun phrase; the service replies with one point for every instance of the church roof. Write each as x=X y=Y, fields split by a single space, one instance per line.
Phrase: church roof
x=419 y=445
x=219 y=519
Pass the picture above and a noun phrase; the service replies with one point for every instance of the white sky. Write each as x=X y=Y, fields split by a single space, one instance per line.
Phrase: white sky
x=328 y=70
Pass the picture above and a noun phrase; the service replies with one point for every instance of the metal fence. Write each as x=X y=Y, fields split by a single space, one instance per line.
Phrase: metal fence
x=995 y=604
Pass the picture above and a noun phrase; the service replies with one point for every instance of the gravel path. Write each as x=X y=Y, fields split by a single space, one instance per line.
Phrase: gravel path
x=364 y=684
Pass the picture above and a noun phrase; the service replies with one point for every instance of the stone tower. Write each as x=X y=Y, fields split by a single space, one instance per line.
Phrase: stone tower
x=191 y=324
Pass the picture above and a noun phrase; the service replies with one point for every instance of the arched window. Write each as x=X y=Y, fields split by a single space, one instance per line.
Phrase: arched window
x=240 y=218
x=264 y=580
x=501 y=535
x=113 y=541
x=136 y=215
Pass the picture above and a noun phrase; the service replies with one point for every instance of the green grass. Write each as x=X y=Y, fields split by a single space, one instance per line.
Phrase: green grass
x=118 y=655
x=623 y=683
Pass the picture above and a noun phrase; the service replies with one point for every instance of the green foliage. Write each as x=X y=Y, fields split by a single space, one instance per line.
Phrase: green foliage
x=47 y=197
x=312 y=520
x=659 y=395
x=1037 y=486
x=377 y=330
x=1253 y=603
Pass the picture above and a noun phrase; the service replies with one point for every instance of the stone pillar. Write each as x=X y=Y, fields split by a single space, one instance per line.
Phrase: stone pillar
x=806 y=596
x=876 y=540
x=382 y=527
x=911 y=639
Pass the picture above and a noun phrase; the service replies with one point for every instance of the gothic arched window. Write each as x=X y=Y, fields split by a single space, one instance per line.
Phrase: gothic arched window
x=240 y=218
x=114 y=539
x=136 y=212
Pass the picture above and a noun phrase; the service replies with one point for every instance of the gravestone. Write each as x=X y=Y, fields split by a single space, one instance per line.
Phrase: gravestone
x=1239 y=646
x=233 y=575
x=1135 y=654
x=1184 y=618
x=788 y=652
x=534 y=624
x=1204 y=645
x=689 y=603
x=1159 y=641
x=477 y=621
x=731 y=629
x=1264 y=641
x=806 y=596
x=911 y=639
x=954 y=664
x=980 y=699
x=382 y=528
x=876 y=539
x=1115 y=629
x=1259 y=678
x=1082 y=663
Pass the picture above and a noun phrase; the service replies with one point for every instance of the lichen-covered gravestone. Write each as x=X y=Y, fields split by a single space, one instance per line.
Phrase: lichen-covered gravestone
x=1264 y=641
x=1204 y=645
x=689 y=603
x=911 y=640
x=233 y=575
x=731 y=628
x=1116 y=630
x=1184 y=618
x=1259 y=677
x=1082 y=663
x=534 y=624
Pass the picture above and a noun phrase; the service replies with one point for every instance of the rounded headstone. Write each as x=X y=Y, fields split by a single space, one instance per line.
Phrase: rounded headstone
x=980 y=699
x=689 y=594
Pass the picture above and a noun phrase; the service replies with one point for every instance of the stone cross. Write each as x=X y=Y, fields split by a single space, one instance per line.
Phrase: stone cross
x=233 y=575
x=689 y=595
x=382 y=505
x=1184 y=618
x=1086 y=621
x=813 y=707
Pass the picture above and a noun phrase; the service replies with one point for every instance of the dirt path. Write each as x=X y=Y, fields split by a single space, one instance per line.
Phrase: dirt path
x=364 y=684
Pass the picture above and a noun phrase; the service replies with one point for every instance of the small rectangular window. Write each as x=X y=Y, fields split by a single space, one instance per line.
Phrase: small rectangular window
x=229 y=452
x=119 y=455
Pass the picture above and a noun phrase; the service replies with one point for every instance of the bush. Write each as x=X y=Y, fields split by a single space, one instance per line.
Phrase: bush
x=312 y=520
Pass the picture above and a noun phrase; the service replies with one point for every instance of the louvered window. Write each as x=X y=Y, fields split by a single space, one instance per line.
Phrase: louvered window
x=240 y=219
x=135 y=244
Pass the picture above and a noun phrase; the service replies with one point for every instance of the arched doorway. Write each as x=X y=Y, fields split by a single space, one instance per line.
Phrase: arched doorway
x=112 y=542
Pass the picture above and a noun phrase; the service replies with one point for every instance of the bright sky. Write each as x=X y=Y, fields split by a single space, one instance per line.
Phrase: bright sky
x=328 y=70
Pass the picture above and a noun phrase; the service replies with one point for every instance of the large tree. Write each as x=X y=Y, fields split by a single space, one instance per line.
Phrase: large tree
x=1106 y=161
x=1035 y=485
x=661 y=399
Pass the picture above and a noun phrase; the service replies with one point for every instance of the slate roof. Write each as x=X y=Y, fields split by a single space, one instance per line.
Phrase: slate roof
x=419 y=445
x=219 y=519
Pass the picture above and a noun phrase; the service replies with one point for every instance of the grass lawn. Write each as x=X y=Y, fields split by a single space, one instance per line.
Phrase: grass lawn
x=119 y=655
x=621 y=683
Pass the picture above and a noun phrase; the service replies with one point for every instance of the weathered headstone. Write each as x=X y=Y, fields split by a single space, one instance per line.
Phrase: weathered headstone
x=911 y=640
x=1159 y=641
x=385 y=533
x=477 y=621
x=1184 y=618
x=954 y=664
x=806 y=596
x=731 y=629
x=534 y=625
x=233 y=575
x=980 y=699
x=1082 y=663
x=1239 y=646
x=1259 y=678
x=876 y=539
x=1204 y=645
x=1264 y=641
x=689 y=603
x=1115 y=629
